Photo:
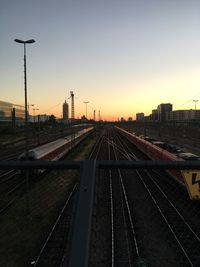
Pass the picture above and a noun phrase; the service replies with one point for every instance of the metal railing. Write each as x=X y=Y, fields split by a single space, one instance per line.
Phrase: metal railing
x=100 y=164
x=80 y=246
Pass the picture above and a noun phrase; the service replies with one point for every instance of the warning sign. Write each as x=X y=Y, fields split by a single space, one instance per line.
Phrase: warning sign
x=192 y=181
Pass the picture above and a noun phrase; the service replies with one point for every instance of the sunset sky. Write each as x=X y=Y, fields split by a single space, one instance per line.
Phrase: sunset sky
x=123 y=57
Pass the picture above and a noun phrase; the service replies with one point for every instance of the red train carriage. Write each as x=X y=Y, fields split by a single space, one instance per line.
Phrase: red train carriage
x=153 y=152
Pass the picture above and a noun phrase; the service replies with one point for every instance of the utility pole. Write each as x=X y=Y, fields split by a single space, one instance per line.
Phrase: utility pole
x=94 y=114
x=195 y=101
x=86 y=102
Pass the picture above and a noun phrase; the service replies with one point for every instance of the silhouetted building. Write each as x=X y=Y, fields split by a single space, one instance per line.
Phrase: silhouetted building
x=154 y=115
x=147 y=118
x=65 y=111
x=162 y=110
x=183 y=115
x=139 y=116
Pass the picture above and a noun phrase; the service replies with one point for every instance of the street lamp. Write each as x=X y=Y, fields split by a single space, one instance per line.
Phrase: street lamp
x=25 y=90
x=26 y=114
x=86 y=102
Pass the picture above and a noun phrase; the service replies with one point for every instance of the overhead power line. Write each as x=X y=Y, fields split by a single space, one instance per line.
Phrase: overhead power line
x=190 y=100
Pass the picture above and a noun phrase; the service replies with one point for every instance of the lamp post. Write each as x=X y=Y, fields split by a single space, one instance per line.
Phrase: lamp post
x=25 y=91
x=86 y=102
x=26 y=113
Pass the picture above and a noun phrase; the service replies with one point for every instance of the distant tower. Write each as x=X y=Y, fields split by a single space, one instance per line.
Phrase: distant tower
x=72 y=105
x=94 y=114
x=65 y=111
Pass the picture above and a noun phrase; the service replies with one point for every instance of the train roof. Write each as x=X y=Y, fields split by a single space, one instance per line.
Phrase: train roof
x=188 y=156
x=40 y=151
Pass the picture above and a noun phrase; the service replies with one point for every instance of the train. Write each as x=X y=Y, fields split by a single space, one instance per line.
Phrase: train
x=154 y=152
x=58 y=148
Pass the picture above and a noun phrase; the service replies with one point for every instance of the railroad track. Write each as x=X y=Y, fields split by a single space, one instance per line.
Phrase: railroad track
x=11 y=186
x=125 y=250
x=119 y=245
x=184 y=236
x=12 y=182
x=53 y=251
x=128 y=231
x=137 y=219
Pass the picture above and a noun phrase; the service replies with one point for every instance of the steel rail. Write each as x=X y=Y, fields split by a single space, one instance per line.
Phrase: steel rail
x=9 y=175
x=120 y=149
x=81 y=239
x=3 y=174
x=164 y=217
x=112 y=211
x=35 y=262
x=173 y=229
x=172 y=205
x=96 y=148
x=128 y=207
x=120 y=227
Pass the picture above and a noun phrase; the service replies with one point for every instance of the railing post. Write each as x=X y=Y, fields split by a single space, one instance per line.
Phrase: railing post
x=82 y=225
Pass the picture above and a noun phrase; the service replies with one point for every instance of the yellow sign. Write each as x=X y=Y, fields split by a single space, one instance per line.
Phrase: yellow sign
x=192 y=181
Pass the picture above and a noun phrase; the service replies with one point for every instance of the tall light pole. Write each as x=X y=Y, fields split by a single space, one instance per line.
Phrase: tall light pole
x=25 y=91
x=86 y=102
x=195 y=101
x=26 y=114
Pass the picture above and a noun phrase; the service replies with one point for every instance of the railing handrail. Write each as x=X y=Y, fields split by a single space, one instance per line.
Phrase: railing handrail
x=101 y=164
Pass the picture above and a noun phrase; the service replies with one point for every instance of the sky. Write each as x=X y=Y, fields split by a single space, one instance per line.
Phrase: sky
x=123 y=56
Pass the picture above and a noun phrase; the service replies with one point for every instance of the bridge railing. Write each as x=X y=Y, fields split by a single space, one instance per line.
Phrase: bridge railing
x=82 y=220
